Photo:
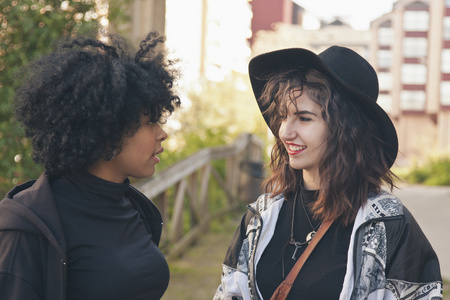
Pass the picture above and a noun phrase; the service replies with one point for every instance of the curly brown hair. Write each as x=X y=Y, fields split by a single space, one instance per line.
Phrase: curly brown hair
x=354 y=163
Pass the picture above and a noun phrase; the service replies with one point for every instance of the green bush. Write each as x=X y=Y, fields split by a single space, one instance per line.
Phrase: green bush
x=434 y=172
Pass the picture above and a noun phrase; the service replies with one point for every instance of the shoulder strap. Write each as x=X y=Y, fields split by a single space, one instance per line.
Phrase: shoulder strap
x=285 y=287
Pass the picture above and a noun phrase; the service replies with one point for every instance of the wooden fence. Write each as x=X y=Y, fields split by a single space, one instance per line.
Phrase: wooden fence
x=181 y=190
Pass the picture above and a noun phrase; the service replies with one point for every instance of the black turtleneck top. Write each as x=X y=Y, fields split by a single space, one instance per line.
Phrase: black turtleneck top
x=322 y=275
x=110 y=252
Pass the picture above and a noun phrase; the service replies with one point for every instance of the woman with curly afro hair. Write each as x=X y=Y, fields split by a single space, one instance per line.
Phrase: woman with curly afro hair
x=80 y=231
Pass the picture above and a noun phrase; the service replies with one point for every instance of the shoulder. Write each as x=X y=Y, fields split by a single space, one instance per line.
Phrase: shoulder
x=389 y=209
x=264 y=210
x=30 y=193
x=265 y=206
x=16 y=210
x=382 y=205
x=266 y=202
x=31 y=208
x=400 y=225
x=27 y=201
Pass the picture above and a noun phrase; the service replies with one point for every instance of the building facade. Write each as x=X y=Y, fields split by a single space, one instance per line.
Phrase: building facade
x=410 y=49
x=289 y=35
x=266 y=13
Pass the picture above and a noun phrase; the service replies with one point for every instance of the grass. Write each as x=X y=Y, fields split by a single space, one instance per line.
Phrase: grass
x=436 y=171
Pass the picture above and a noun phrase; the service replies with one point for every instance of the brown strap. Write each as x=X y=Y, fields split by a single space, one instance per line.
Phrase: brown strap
x=285 y=287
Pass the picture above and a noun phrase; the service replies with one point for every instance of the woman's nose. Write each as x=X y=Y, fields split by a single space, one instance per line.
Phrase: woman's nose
x=286 y=131
x=162 y=134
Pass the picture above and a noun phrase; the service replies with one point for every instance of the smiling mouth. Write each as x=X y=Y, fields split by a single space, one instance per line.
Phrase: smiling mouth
x=294 y=149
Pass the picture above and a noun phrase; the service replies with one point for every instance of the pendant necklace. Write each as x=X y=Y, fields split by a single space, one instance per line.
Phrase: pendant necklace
x=309 y=236
x=291 y=240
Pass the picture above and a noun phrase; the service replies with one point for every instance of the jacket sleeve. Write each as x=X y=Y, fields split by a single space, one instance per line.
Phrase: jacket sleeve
x=234 y=279
x=21 y=275
x=412 y=266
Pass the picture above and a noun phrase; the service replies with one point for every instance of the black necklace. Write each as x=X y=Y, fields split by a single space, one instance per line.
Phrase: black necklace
x=309 y=236
x=291 y=240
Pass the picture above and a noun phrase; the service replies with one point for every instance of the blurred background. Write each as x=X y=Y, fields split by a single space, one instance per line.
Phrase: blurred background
x=406 y=41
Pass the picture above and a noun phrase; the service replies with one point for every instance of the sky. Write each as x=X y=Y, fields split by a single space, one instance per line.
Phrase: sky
x=357 y=13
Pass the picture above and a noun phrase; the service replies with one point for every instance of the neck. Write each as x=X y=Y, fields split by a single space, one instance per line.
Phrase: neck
x=105 y=171
x=311 y=180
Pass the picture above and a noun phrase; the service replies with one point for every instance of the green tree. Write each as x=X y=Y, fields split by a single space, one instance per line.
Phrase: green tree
x=214 y=115
x=27 y=30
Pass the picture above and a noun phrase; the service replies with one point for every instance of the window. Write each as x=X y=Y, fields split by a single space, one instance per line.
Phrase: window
x=385 y=80
x=416 y=20
x=385 y=36
x=412 y=100
x=415 y=47
x=384 y=59
x=445 y=63
x=445 y=93
x=446 y=28
x=414 y=74
x=447 y=3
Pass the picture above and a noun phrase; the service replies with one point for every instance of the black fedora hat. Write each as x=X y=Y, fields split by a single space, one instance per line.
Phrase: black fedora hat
x=342 y=65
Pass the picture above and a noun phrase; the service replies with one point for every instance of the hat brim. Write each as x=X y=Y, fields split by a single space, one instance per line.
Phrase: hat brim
x=261 y=66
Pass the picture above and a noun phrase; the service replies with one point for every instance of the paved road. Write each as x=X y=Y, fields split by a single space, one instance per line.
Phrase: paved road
x=431 y=208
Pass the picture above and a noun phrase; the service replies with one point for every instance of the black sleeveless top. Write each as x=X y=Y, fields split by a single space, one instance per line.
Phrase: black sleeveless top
x=110 y=251
x=322 y=275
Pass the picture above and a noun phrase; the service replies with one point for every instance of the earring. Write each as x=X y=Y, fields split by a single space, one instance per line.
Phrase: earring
x=108 y=157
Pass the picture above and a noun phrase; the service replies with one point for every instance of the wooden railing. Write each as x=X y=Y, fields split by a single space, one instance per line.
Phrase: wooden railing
x=181 y=190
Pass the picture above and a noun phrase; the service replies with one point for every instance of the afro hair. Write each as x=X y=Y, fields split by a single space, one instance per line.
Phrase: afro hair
x=78 y=103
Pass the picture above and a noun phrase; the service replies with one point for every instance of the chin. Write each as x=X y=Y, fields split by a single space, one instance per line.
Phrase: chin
x=150 y=173
x=146 y=174
x=295 y=166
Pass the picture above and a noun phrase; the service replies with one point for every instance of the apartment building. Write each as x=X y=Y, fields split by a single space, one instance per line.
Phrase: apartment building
x=410 y=49
x=334 y=33
x=266 y=13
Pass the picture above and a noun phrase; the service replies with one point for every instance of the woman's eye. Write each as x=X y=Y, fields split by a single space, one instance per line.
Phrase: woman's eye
x=304 y=119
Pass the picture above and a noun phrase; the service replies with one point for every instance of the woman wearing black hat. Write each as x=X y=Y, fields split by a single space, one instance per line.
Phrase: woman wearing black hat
x=326 y=229
x=93 y=112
